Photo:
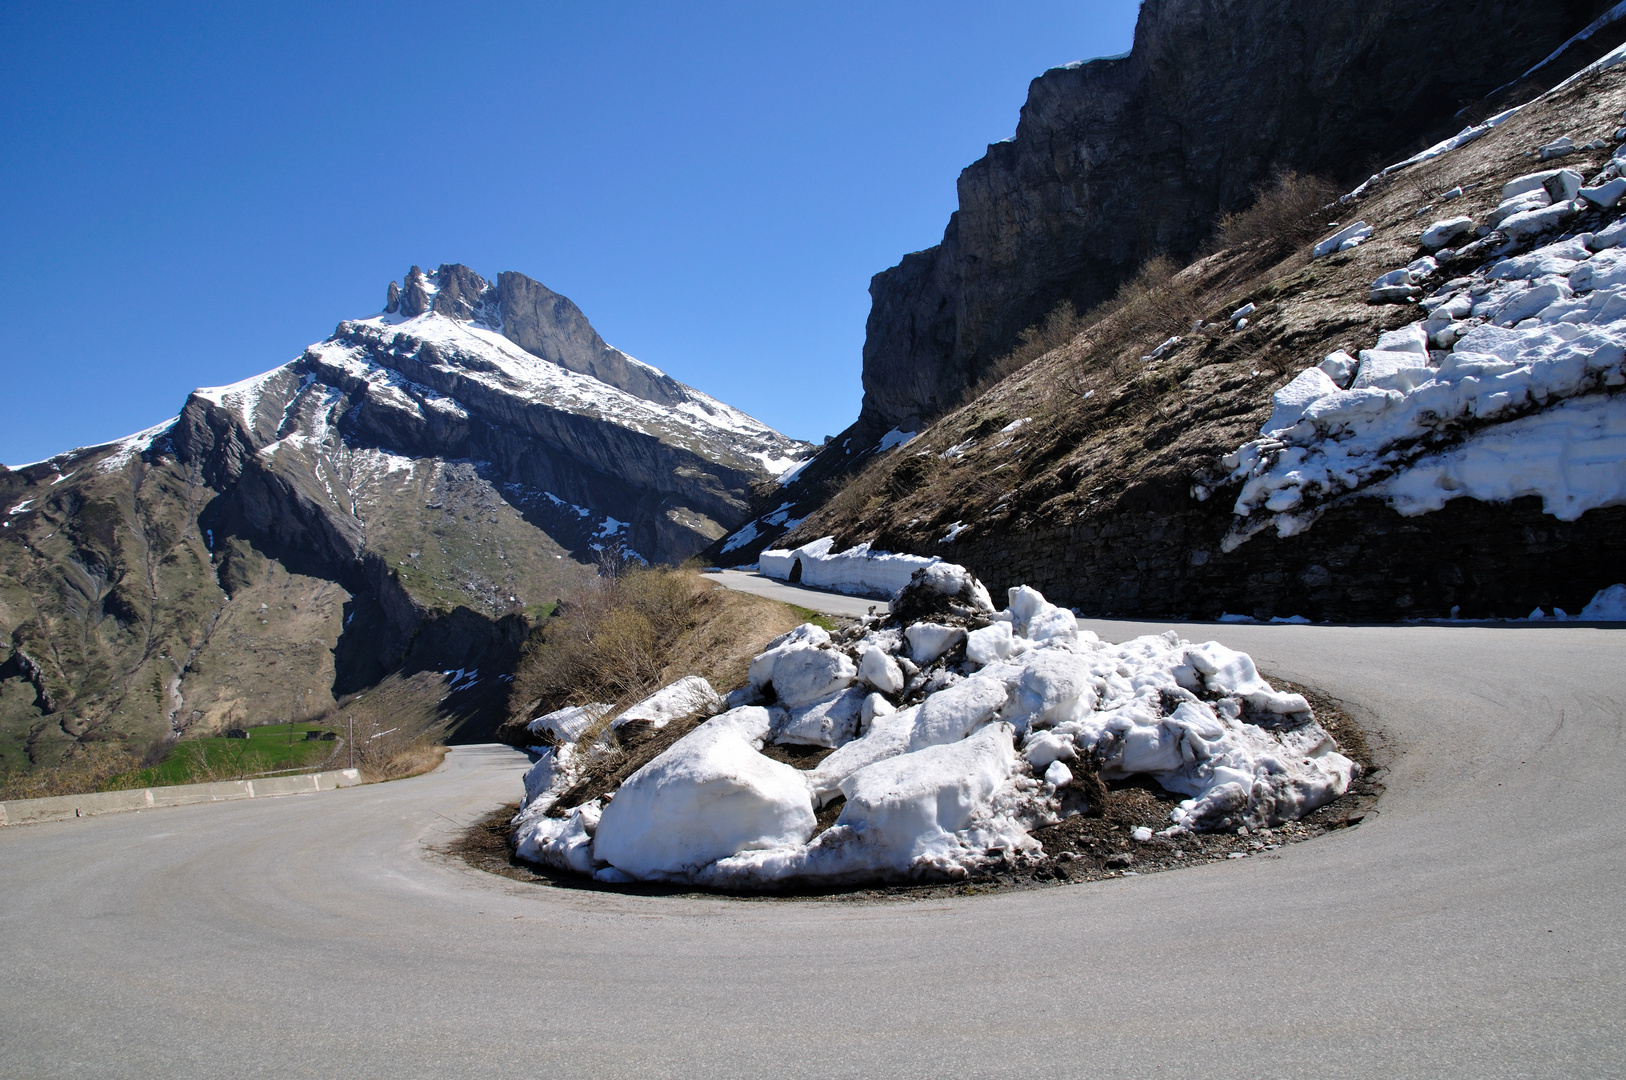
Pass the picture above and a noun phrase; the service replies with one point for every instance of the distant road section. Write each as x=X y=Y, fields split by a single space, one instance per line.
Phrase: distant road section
x=828 y=603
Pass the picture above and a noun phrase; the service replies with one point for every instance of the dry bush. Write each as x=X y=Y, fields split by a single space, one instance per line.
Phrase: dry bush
x=618 y=641
x=1157 y=303
x=94 y=766
x=398 y=724
x=608 y=641
x=1056 y=329
x=1288 y=211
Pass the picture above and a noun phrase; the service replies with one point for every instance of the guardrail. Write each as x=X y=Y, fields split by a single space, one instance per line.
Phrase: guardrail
x=63 y=807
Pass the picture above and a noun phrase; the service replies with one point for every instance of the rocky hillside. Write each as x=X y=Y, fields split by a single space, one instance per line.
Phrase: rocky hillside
x=1122 y=158
x=1404 y=403
x=396 y=499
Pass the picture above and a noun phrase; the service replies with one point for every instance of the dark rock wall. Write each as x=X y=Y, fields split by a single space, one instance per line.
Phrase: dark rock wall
x=1360 y=562
x=1119 y=159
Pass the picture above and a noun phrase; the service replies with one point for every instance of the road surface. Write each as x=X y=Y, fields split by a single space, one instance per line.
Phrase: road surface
x=827 y=602
x=1471 y=927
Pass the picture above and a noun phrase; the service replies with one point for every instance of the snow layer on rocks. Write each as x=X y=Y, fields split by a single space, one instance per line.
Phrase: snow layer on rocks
x=1510 y=386
x=946 y=763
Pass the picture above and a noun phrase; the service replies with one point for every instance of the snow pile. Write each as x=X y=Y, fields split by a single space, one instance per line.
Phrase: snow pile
x=569 y=724
x=1606 y=605
x=857 y=571
x=685 y=697
x=1609 y=605
x=1508 y=387
x=957 y=730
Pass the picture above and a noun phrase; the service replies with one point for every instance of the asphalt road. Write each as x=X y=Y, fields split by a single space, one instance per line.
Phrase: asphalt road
x=1471 y=927
x=829 y=603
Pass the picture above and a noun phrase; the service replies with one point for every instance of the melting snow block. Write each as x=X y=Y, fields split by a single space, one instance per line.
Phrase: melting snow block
x=1408 y=338
x=952 y=579
x=709 y=795
x=1529 y=223
x=1531 y=302
x=831 y=722
x=1609 y=237
x=928 y=641
x=1034 y=617
x=857 y=571
x=546 y=775
x=565 y=843
x=806 y=674
x=1518 y=204
x=1386 y=370
x=948 y=715
x=1340 y=368
x=887 y=735
x=1609 y=605
x=1441 y=233
x=1342 y=240
x=1054 y=686
x=1044 y=747
x=800 y=669
x=1607 y=194
x=1229 y=672
x=880 y=671
x=993 y=642
x=567 y=725
x=1560 y=147
x=687 y=696
x=911 y=805
x=1527 y=183
x=874 y=705
x=1290 y=401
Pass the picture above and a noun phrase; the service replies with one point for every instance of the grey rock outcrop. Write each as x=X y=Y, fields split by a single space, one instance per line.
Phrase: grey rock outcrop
x=1118 y=159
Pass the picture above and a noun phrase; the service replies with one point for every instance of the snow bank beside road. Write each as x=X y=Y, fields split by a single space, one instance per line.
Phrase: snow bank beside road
x=857 y=571
x=945 y=759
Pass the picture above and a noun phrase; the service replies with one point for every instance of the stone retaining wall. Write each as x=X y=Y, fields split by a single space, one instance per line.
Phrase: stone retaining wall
x=62 y=807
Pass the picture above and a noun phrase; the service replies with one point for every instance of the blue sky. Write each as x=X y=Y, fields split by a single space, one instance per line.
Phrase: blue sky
x=192 y=194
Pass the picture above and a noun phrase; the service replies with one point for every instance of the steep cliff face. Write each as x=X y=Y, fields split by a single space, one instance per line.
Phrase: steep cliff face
x=1426 y=419
x=1118 y=159
x=394 y=499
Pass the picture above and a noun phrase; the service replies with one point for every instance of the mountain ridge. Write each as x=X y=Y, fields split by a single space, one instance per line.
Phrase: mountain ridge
x=405 y=495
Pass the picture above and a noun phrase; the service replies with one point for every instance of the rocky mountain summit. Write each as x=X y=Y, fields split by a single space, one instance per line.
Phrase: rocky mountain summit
x=392 y=500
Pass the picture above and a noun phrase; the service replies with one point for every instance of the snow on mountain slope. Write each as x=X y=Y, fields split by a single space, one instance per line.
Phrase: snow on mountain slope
x=400 y=497
x=439 y=376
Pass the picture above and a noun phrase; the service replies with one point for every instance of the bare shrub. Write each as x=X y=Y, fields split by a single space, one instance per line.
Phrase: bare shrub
x=1286 y=212
x=1056 y=329
x=608 y=641
x=1156 y=303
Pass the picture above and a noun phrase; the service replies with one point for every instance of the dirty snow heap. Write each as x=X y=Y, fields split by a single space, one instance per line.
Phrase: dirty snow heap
x=956 y=731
